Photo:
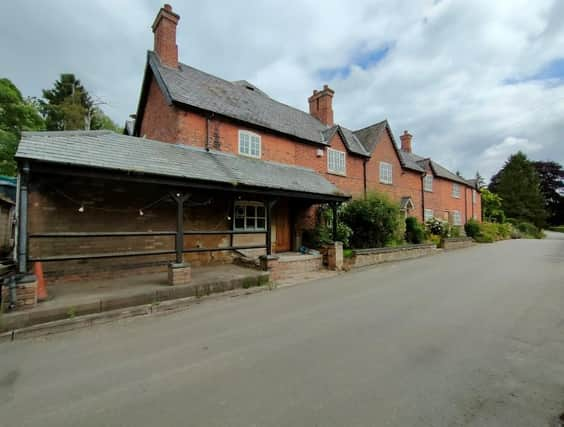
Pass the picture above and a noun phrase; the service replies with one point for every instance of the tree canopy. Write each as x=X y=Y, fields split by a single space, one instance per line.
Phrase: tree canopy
x=517 y=183
x=16 y=115
x=551 y=176
x=69 y=106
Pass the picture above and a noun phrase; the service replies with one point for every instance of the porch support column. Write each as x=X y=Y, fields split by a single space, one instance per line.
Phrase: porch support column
x=268 y=206
x=179 y=241
x=23 y=218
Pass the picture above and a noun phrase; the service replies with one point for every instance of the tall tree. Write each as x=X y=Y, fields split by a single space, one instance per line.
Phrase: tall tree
x=479 y=180
x=517 y=184
x=69 y=106
x=551 y=176
x=492 y=210
x=16 y=115
x=66 y=105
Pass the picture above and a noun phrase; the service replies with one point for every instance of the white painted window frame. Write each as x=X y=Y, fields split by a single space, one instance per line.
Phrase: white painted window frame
x=456 y=190
x=244 y=205
x=336 y=158
x=428 y=183
x=456 y=218
x=386 y=173
x=428 y=214
x=250 y=136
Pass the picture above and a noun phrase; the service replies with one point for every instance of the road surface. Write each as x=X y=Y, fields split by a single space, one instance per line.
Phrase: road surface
x=473 y=337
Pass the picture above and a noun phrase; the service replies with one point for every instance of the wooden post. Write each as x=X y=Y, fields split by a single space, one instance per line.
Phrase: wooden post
x=268 y=206
x=179 y=240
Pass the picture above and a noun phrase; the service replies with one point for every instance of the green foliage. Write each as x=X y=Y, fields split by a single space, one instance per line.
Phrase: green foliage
x=489 y=232
x=322 y=234
x=455 y=231
x=437 y=227
x=517 y=183
x=16 y=115
x=551 y=177
x=558 y=229
x=69 y=106
x=472 y=228
x=348 y=253
x=414 y=231
x=375 y=221
x=491 y=206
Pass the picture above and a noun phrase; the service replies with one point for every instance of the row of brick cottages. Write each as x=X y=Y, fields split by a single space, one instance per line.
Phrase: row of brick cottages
x=215 y=169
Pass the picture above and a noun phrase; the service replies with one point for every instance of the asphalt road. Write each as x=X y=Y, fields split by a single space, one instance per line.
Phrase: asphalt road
x=473 y=337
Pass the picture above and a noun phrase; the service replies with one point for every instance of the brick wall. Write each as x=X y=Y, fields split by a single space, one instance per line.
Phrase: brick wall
x=115 y=207
x=169 y=124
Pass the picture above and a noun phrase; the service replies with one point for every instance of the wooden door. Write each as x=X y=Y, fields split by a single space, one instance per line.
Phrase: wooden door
x=282 y=226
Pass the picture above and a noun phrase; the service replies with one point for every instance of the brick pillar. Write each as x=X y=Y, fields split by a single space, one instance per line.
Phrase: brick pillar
x=335 y=256
x=270 y=263
x=26 y=294
x=179 y=273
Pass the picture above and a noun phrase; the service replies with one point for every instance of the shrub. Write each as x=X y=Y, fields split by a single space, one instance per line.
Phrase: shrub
x=322 y=234
x=414 y=231
x=437 y=227
x=472 y=228
x=374 y=221
x=455 y=231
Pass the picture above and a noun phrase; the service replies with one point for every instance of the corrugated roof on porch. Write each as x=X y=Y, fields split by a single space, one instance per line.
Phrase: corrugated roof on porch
x=109 y=150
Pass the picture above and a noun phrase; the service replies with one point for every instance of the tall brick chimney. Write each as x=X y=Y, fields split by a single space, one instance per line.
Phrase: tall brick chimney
x=321 y=105
x=164 y=29
x=406 y=141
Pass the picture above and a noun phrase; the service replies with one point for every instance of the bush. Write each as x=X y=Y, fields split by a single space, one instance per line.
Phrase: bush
x=374 y=221
x=322 y=234
x=472 y=228
x=414 y=231
x=437 y=227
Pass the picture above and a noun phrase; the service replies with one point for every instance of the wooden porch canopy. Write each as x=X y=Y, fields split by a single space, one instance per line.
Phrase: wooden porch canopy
x=178 y=169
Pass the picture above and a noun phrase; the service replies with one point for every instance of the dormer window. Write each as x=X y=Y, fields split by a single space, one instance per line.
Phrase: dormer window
x=249 y=144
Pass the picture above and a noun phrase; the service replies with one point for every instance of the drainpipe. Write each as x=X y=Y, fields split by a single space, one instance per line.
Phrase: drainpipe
x=23 y=218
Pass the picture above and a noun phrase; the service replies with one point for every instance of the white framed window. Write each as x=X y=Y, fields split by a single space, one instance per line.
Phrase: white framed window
x=456 y=190
x=249 y=144
x=473 y=197
x=427 y=215
x=386 y=176
x=249 y=216
x=456 y=219
x=428 y=182
x=336 y=161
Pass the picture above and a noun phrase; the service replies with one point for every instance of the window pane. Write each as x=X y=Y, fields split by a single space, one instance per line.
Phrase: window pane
x=240 y=223
x=260 y=211
x=251 y=211
x=240 y=211
x=250 y=223
x=260 y=223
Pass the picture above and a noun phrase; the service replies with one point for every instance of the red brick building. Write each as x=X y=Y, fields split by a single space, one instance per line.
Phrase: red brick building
x=180 y=104
x=214 y=168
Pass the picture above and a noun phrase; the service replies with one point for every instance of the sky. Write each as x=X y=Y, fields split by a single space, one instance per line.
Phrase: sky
x=472 y=81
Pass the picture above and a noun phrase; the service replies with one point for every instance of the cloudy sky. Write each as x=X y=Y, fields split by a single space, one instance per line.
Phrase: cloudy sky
x=473 y=81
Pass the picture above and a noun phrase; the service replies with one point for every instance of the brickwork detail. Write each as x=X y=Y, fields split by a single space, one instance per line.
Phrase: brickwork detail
x=179 y=274
x=335 y=256
x=26 y=296
x=379 y=255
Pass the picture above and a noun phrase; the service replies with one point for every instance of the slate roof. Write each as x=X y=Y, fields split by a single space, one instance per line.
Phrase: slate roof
x=242 y=101
x=349 y=138
x=370 y=136
x=418 y=163
x=109 y=150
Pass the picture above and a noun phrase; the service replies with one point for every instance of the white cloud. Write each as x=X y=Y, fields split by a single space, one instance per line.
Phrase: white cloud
x=443 y=78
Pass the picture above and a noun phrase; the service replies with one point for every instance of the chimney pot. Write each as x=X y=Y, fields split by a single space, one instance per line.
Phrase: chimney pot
x=406 y=141
x=321 y=105
x=164 y=29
